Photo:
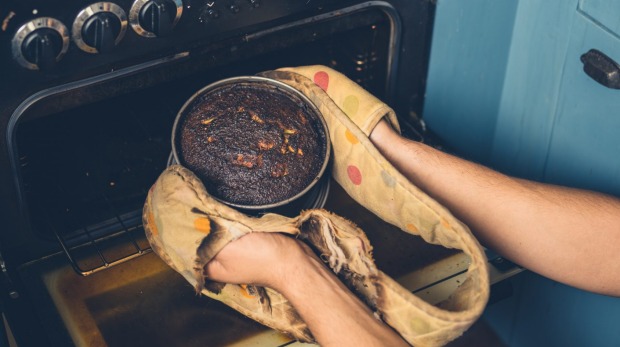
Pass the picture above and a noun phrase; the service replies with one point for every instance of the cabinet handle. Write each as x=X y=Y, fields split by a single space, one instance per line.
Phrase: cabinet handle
x=601 y=68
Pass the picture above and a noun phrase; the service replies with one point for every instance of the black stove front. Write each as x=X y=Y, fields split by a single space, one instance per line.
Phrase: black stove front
x=88 y=95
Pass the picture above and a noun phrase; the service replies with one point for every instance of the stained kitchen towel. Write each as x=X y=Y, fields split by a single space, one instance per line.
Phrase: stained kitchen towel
x=186 y=227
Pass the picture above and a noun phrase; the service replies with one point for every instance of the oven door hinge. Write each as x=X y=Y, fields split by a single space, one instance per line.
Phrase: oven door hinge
x=7 y=283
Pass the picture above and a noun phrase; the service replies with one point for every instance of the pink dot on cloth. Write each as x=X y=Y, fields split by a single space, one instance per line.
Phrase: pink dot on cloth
x=321 y=78
x=354 y=175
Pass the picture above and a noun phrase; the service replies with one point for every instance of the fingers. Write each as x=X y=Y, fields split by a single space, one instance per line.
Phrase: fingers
x=214 y=270
x=256 y=258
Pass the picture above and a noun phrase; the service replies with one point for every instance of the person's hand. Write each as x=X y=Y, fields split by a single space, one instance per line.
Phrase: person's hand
x=262 y=259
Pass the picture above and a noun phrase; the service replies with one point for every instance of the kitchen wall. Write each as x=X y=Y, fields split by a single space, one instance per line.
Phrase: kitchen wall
x=506 y=88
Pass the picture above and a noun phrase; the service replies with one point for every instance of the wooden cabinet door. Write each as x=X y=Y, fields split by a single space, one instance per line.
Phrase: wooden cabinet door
x=584 y=148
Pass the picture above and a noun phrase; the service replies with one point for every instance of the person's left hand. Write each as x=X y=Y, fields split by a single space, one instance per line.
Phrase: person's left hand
x=262 y=259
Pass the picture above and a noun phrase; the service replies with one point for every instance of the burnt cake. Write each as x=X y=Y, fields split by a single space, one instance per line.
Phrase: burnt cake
x=251 y=143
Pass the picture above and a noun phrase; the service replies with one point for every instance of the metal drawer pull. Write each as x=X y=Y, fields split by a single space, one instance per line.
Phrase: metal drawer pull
x=601 y=68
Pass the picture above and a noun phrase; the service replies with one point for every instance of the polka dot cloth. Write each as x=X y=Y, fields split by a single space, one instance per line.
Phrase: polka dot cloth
x=364 y=110
x=350 y=106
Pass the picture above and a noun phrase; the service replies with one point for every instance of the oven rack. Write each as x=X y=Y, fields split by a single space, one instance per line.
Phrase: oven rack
x=95 y=248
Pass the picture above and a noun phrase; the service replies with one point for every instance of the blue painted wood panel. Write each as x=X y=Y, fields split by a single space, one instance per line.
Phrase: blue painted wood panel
x=585 y=142
x=604 y=12
x=469 y=53
x=530 y=93
x=541 y=118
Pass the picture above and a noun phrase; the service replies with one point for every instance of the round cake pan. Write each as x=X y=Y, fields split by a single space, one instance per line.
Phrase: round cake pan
x=277 y=85
x=315 y=197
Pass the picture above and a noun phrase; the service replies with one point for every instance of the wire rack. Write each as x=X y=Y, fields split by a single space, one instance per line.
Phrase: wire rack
x=98 y=247
x=85 y=179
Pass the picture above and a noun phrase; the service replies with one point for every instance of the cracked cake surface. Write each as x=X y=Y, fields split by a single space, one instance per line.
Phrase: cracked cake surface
x=251 y=143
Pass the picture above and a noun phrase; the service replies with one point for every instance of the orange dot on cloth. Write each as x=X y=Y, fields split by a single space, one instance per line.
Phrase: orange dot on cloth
x=321 y=78
x=412 y=228
x=354 y=174
x=150 y=218
x=350 y=105
x=203 y=225
x=445 y=223
x=350 y=137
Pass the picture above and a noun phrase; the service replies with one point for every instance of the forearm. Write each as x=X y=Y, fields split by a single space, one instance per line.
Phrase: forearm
x=566 y=234
x=335 y=316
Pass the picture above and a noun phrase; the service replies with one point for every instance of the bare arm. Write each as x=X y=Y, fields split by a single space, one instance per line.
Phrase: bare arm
x=569 y=235
x=334 y=315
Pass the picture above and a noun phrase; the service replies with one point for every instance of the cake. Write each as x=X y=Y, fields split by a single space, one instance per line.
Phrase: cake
x=251 y=143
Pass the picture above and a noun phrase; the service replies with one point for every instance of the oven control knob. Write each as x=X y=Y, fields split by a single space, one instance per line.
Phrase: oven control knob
x=155 y=18
x=99 y=27
x=40 y=43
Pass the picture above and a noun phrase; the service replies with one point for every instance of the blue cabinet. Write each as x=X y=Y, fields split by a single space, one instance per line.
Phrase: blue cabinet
x=604 y=12
x=584 y=149
x=469 y=55
x=511 y=92
x=533 y=112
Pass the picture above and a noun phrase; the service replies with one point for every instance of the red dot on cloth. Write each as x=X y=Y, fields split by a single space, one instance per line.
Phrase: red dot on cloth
x=354 y=175
x=321 y=78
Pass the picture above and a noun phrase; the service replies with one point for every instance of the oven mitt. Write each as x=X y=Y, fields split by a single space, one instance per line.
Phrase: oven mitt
x=351 y=113
x=186 y=227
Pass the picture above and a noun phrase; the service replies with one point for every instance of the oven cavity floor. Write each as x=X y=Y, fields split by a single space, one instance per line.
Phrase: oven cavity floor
x=145 y=303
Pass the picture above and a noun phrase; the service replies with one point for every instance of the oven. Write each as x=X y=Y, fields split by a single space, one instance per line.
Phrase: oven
x=88 y=95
